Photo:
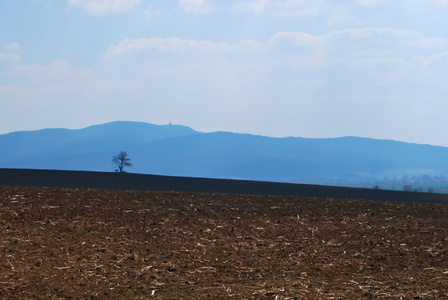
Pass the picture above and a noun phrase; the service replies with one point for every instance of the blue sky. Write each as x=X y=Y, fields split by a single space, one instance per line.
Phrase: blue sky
x=322 y=68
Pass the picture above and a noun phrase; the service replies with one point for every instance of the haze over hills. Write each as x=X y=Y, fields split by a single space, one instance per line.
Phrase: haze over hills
x=181 y=151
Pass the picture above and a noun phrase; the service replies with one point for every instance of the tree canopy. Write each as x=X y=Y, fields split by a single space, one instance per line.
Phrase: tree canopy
x=121 y=160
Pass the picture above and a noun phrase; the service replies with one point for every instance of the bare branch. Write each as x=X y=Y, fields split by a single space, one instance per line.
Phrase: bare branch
x=121 y=160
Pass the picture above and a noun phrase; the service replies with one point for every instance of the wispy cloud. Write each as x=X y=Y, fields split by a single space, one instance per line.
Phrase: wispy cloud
x=345 y=76
x=10 y=58
x=13 y=47
x=169 y=46
x=59 y=71
x=196 y=6
x=340 y=45
x=149 y=13
x=358 y=13
x=103 y=7
x=284 y=8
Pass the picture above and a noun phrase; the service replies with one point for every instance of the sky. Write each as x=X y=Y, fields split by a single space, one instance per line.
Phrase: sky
x=320 y=68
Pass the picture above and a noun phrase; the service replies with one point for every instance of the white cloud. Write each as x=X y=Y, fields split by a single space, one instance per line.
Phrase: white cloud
x=370 y=2
x=151 y=13
x=102 y=7
x=284 y=8
x=13 y=47
x=439 y=60
x=303 y=7
x=255 y=6
x=54 y=95
x=349 y=47
x=10 y=58
x=196 y=6
x=59 y=73
x=293 y=80
x=335 y=13
x=169 y=46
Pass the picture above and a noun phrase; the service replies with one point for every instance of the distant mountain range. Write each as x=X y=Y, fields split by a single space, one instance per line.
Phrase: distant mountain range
x=181 y=151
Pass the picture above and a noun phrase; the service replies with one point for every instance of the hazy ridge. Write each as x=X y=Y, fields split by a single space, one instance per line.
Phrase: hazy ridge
x=181 y=151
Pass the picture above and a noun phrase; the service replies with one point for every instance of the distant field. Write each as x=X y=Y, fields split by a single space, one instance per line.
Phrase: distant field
x=440 y=189
x=129 y=181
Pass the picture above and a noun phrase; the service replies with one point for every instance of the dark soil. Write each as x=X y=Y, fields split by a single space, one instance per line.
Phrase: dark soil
x=106 y=244
x=144 y=182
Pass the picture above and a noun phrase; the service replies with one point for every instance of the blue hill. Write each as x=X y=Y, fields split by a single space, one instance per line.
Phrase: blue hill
x=182 y=151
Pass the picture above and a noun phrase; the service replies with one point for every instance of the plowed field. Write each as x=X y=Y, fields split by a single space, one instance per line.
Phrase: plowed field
x=103 y=244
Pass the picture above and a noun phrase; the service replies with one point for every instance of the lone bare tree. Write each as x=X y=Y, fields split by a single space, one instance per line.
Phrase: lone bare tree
x=122 y=160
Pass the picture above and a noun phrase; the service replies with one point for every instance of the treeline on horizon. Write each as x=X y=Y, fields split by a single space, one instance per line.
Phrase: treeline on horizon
x=436 y=183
